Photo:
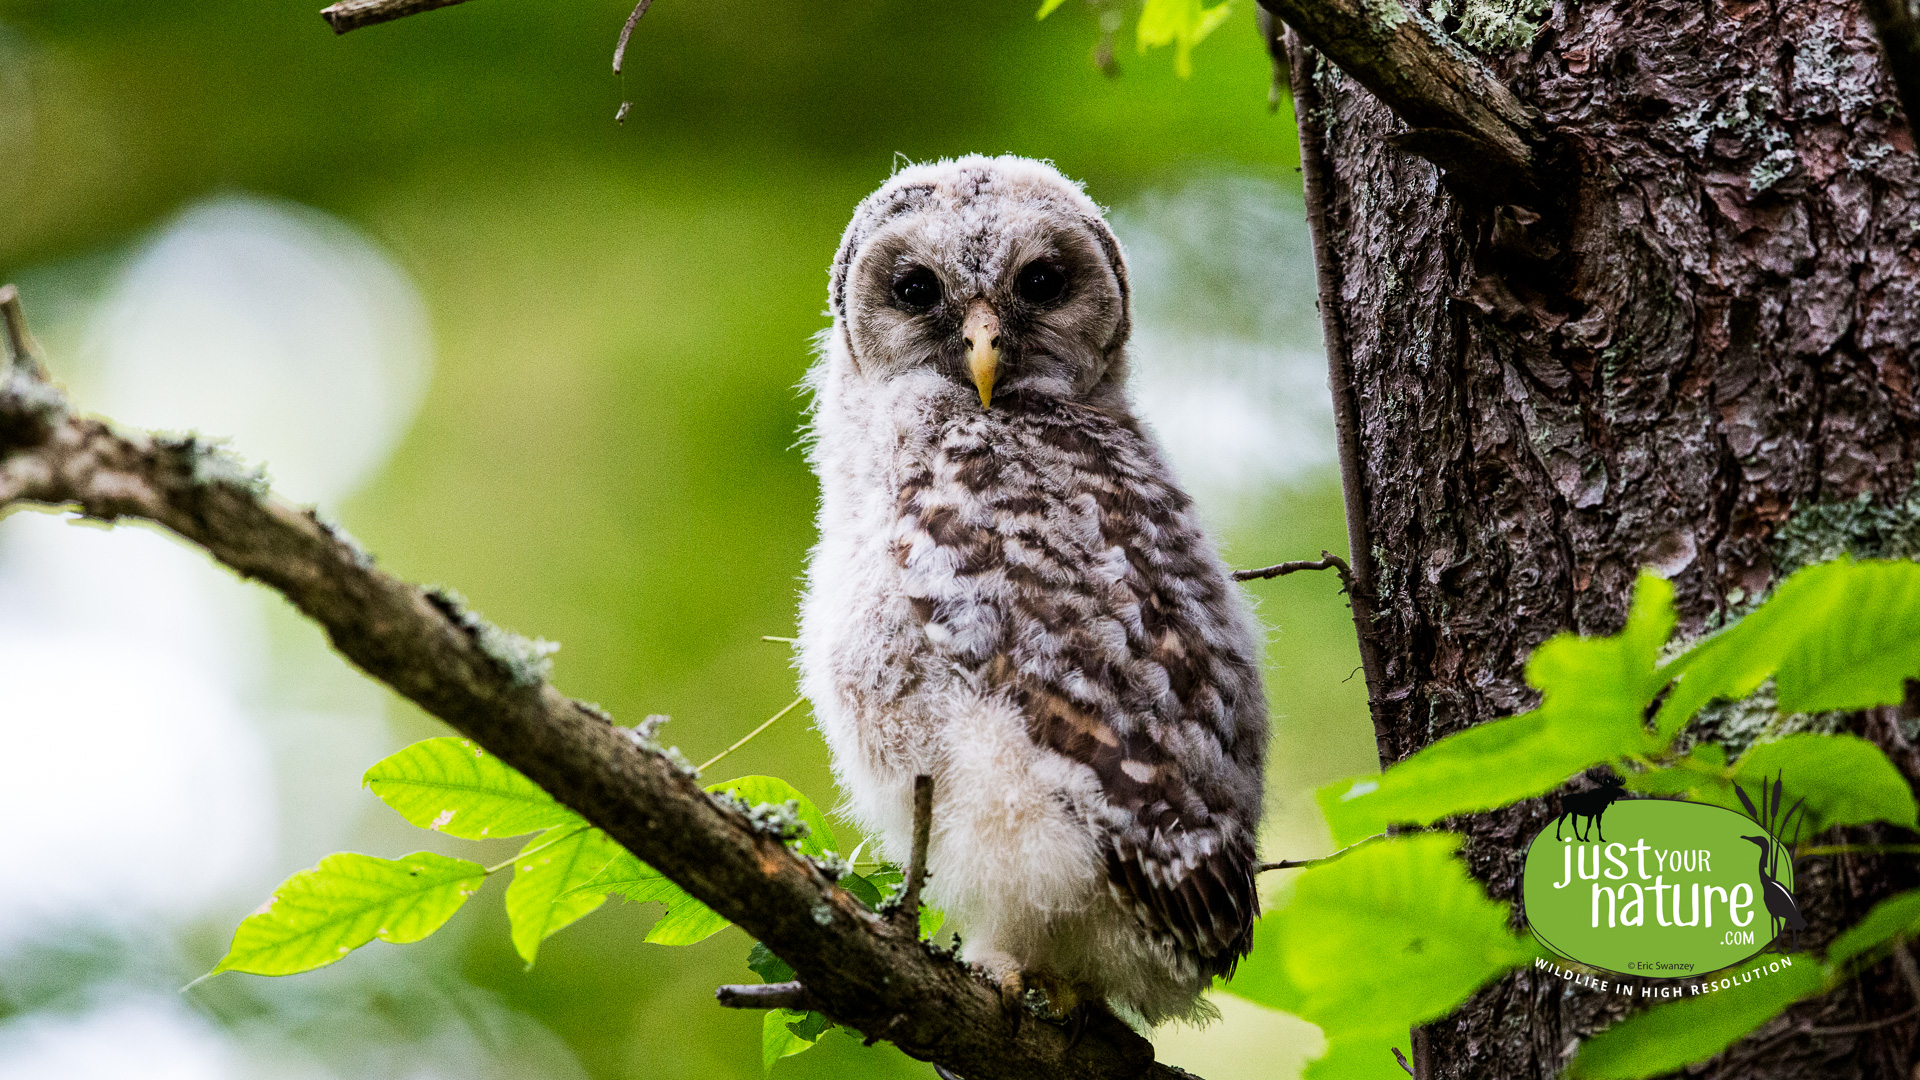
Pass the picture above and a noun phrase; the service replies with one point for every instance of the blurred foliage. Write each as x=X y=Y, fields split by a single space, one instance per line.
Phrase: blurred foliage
x=1840 y=635
x=606 y=457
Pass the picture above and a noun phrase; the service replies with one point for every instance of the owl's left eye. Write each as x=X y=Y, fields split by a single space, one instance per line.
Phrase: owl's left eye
x=1041 y=283
x=917 y=288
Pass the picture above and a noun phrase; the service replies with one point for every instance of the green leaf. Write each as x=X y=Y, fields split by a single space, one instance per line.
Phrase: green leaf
x=1483 y=767
x=1391 y=934
x=1841 y=635
x=1182 y=24
x=451 y=785
x=756 y=790
x=1048 y=7
x=1844 y=779
x=1866 y=649
x=1666 y=1037
x=931 y=918
x=769 y=967
x=548 y=873
x=1896 y=916
x=1596 y=692
x=869 y=890
x=686 y=921
x=784 y=1033
x=1704 y=767
x=318 y=916
x=863 y=888
x=794 y=1031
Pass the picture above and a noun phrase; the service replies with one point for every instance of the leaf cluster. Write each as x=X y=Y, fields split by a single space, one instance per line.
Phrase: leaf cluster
x=1350 y=951
x=566 y=870
x=1389 y=933
x=1182 y=24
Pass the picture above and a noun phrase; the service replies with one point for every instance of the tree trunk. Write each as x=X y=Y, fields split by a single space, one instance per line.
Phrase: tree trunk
x=1695 y=358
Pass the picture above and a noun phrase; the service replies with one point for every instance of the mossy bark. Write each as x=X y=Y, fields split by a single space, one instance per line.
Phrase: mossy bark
x=1711 y=323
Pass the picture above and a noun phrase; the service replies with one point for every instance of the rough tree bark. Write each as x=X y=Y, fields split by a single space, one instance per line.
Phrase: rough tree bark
x=1689 y=353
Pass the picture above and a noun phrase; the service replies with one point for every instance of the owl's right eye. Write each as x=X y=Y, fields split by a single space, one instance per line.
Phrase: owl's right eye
x=917 y=288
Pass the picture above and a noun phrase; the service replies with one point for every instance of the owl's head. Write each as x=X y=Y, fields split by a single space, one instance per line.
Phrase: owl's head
x=997 y=274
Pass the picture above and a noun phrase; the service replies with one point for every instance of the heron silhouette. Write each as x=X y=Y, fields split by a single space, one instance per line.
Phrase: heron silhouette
x=1780 y=904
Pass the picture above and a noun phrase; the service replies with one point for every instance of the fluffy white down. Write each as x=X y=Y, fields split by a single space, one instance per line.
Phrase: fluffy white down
x=1015 y=869
x=1018 y=601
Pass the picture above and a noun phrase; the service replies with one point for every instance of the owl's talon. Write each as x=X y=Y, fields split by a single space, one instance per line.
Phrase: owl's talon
x=1013 y=996
x=1077 y=1024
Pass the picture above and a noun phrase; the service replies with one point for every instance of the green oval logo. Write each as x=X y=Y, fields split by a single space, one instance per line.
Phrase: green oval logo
x=1658 y=888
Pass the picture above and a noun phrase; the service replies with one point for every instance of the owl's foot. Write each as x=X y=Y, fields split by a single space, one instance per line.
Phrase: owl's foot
x=1034 y=993
x=1013 y=995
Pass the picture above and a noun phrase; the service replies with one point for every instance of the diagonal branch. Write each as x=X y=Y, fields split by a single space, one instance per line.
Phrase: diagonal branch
x=1463 y=118
x=1898 y=22
x=860 y=968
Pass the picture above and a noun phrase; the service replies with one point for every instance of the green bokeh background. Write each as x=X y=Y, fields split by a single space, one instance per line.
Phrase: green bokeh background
x=606 y=456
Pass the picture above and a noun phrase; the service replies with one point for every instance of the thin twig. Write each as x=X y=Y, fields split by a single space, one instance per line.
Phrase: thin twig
x=20 y=352
x=1297 y=864
x=1326 y=561
x=1316 y=180
x=1863 y=1026
x=907 y=912
x=1903 y=960
x=748 y=737
x=538 y=848
x=354 y=14
x=781 y=995
x=1899 y=28
x=1858 y=849
x=863 y=970
x=1291 y=864
x=781 y=640
x=620 y=57
x=633 y=20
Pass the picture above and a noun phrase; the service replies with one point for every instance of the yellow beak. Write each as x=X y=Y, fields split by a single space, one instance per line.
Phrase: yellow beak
x=981 y=334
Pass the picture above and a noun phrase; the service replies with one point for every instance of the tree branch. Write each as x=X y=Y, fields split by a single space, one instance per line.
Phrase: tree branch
x=863 y=971
x=1898 y=23
x=1464 y=119
x=354 y=14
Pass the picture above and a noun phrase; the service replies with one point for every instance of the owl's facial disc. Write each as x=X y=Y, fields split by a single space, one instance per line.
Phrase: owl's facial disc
x=981 y=336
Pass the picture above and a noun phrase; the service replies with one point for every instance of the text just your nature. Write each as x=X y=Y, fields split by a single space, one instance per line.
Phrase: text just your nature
x=1626 y=904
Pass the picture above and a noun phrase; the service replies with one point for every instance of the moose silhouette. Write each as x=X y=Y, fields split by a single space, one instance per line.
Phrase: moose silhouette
x=1588 y=806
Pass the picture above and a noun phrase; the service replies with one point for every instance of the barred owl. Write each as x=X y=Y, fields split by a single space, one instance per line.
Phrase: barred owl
x=1011 y=594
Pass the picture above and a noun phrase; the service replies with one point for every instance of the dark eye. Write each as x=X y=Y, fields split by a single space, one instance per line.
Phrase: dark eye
x=917 y=288
x=1041 y=283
